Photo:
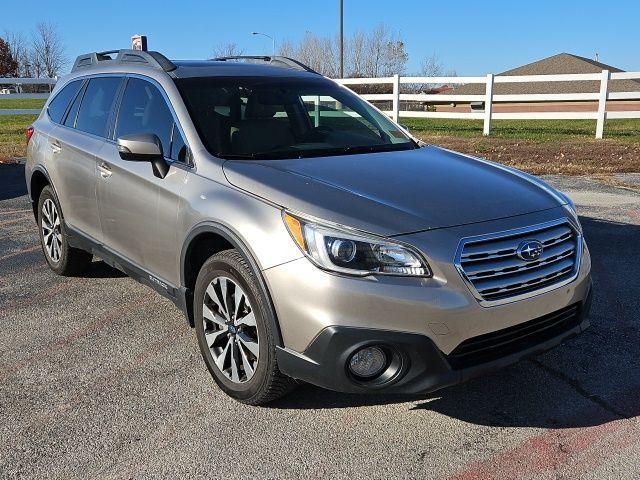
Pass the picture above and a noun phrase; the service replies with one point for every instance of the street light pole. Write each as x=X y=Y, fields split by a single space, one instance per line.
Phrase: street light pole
x=340 y=34
x=273 y=41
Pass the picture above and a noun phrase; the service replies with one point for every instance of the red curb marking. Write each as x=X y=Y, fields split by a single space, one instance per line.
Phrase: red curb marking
x=135 y=362
x=628 y=435
x=27 y=270
x=18 y=232
x=9 y=222
x=556 y=449
x=101 y=321
x=634 y=213
x=14 y=303
x=15 y=211
x=20 y=252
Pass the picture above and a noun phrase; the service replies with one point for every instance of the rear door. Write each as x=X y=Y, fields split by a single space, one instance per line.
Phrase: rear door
x=138 y=211
x=74 y=144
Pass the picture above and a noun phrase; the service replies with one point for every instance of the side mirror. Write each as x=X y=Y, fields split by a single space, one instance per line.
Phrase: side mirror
x=144 y=147
x=406 y=127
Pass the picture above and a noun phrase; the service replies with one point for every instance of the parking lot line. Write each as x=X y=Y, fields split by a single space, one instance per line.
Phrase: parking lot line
x=32 y=248
x=11 y=222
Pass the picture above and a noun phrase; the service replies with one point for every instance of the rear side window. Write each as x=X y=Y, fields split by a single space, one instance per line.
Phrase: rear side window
x=70 y=120
x=61 y=101
x=97 y=105
x=144 y=110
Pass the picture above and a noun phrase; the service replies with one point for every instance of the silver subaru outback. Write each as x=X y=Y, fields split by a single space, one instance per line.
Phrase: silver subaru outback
x=305 y=236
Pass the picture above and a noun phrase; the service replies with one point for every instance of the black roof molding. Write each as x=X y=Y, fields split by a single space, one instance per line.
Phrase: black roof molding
x=136 y=57
x=276 y=60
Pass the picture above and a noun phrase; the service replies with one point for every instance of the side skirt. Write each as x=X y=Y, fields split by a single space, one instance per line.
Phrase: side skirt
x=177 y=295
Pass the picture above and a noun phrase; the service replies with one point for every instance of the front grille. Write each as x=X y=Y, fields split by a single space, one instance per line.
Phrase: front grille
x=494 y=345
x=496 y=273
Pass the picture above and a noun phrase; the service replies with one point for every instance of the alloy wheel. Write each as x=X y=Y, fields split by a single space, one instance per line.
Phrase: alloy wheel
x=51 y=230
x=230 y=329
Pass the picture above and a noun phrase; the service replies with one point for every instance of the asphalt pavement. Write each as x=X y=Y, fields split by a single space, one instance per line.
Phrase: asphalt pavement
x=101 y=377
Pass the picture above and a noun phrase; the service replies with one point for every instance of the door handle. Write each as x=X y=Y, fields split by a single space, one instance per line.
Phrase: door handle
x=55 y=147
x=105 y=170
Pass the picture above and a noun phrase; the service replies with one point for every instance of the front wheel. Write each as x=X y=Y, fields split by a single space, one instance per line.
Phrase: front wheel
x=236 y=330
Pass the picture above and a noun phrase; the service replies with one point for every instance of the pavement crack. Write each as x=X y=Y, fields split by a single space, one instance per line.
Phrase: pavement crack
x=580 y=389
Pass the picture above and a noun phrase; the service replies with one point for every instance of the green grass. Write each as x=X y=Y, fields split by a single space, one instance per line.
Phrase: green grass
x=6 y=103
x=540 y=131
x=12 y=135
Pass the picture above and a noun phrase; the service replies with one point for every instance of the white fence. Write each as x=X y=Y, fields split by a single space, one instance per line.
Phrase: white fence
x=489 y=98
x=12 y=88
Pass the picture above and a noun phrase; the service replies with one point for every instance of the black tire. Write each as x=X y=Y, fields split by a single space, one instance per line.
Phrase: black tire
x=267 y=382
x=71 y=261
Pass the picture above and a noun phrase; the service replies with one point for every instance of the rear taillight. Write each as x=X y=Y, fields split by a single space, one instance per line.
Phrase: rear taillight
x=30 y=131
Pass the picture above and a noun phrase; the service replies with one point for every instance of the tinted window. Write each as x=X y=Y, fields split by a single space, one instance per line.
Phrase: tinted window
x=97 y=105
x=59 y=104
x=144 y=110
x=257 y=117
x=178 y=146
x=70 y=121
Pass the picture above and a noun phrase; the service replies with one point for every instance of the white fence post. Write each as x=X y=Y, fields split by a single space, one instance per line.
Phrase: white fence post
x=488 y=105
x=316 y=111
x=602 y=103
x=396 y=98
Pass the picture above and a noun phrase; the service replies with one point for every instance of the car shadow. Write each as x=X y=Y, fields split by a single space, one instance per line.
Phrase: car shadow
x=12 y=182
x=99 y=269
x=591 y=380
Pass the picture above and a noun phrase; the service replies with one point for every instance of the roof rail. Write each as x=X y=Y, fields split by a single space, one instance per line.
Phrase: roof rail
x=273 y=60
x=139 y=57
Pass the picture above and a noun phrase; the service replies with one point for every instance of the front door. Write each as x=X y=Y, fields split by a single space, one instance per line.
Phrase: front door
x=138 y=211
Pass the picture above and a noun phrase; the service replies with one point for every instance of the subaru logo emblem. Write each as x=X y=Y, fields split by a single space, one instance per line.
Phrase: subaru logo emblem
x=530 y=250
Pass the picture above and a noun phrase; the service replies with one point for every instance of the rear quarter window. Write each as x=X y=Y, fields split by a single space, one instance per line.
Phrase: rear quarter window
x=58 y=106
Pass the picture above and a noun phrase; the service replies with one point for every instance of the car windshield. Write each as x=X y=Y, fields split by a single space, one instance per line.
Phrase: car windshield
x=271 y=118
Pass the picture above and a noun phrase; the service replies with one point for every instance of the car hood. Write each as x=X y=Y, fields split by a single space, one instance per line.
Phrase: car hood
x=391 y=193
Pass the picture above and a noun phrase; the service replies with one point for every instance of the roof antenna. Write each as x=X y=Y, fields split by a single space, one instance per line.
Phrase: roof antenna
x=597 y=57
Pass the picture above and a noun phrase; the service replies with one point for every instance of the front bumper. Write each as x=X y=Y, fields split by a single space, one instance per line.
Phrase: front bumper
x=323 y=317
x=423 y=367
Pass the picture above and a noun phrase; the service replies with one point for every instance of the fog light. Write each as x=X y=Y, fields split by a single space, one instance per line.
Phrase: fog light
x=368 y=362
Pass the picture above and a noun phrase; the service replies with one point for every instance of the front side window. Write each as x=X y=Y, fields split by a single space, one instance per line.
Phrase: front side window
x=178 y=145
x=143 y=110
x=58 y=106
x=97 y=105
x=257 y=117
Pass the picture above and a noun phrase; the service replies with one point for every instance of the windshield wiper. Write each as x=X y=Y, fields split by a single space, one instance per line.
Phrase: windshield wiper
x=318 y=152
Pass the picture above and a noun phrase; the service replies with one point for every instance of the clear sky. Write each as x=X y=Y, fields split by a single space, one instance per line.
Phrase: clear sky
x=472 y=37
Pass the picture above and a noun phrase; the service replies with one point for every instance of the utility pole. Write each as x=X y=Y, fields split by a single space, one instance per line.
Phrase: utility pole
x=273 y=41
x=340 y=34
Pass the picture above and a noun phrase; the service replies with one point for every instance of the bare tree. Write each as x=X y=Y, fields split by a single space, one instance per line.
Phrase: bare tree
x=20 y=52
x=355 y=52
x=230 y=49
x=48 y=53
x=431 y=66
x=379 y=52
x=286 y=49
x=319 y=53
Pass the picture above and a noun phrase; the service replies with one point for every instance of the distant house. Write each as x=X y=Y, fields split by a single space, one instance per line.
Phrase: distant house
x=562 y=63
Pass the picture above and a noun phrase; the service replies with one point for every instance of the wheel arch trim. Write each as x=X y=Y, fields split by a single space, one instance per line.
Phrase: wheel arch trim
x=235 y=240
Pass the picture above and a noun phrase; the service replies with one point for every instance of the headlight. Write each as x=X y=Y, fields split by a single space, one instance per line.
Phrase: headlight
x=354 y=253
